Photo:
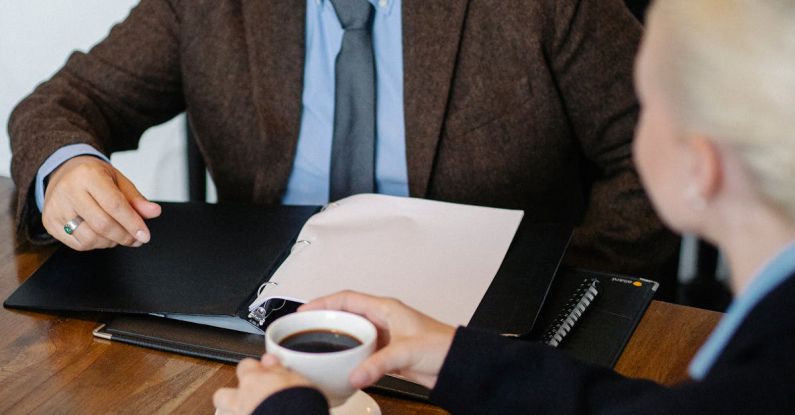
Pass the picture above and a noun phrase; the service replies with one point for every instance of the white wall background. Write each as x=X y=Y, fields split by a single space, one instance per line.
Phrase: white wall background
x=36 y=37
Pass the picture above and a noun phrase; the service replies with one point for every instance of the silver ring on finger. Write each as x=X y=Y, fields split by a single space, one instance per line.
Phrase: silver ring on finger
x=71 y=225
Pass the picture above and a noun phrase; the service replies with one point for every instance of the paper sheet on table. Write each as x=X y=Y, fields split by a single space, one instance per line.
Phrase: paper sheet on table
x=437 y=257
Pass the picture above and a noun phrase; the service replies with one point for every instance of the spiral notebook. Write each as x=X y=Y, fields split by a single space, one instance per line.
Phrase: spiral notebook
x=591 y=315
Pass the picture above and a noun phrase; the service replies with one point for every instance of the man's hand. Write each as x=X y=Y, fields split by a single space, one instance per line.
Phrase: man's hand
x=112 y=208
x=257 y=380
x=410 y=343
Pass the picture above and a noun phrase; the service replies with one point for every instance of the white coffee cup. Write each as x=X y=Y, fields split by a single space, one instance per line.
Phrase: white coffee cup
x=328 y=371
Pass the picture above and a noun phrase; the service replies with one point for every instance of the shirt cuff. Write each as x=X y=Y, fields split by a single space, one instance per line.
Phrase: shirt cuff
x=297 y=400
x=55 y=160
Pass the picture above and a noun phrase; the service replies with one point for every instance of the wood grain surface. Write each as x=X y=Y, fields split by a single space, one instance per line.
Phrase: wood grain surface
x=52 y=364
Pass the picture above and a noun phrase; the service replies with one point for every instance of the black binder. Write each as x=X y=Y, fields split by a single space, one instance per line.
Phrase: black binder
x=205 y=260
x=210 y=260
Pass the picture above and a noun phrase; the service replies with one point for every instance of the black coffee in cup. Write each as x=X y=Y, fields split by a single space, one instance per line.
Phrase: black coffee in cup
x=320 y=341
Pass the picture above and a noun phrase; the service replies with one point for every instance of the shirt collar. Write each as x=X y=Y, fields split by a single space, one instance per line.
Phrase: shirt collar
x=381 y=6
x=771 y=275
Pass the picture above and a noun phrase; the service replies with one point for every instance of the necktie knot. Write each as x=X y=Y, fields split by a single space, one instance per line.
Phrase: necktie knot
x=354 y=14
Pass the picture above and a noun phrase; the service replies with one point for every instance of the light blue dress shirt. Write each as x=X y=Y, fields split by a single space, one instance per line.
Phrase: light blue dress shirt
x=309 y=179
x=772 y=274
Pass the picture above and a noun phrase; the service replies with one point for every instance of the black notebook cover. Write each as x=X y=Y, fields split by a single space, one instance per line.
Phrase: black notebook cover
x=203 y=259
x=603 y=331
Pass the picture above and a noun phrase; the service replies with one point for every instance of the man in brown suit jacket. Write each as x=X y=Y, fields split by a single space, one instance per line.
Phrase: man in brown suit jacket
x=520 y=104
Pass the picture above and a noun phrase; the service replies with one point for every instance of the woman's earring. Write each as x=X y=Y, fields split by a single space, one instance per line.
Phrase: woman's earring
x=695 y=198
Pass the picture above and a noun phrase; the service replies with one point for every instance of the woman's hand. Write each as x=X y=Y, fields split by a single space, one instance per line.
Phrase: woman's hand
x=410 y=344
x=257 y=380
x=112 y=209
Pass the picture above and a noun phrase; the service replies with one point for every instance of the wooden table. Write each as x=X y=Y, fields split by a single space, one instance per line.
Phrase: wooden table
x=51 y=364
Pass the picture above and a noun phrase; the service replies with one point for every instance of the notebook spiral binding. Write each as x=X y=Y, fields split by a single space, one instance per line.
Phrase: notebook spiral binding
x=579 y=302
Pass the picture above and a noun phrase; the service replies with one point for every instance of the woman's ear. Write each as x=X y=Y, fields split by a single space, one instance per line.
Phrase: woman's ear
x=706 y=169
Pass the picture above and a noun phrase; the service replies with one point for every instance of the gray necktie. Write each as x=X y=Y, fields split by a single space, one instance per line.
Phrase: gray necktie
x=353 y=148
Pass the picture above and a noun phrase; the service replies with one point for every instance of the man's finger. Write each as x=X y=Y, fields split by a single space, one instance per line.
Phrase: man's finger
x=112 y=201
x=143 y=206
x=88 y=239
x=100 y=221
x=83 y=238
x=56 y=230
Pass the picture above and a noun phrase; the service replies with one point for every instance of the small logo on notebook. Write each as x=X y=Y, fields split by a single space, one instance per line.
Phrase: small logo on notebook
x=626 y=281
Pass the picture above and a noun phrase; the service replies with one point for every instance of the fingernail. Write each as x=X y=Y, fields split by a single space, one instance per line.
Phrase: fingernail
x=142 y=236
x=269 y=360
x=137 y=244
x=359 y=378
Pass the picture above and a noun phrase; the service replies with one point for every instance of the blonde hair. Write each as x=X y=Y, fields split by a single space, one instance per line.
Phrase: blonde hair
x=729 y=69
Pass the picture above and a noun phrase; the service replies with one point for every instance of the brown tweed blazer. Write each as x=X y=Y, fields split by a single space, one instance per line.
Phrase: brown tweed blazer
x=521 y=104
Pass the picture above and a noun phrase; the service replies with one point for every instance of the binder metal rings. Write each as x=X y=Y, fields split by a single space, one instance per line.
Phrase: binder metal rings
x=300 y=243
x=265 y=284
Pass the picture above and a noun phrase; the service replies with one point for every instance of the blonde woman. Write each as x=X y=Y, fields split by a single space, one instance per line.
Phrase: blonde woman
x=716 y=151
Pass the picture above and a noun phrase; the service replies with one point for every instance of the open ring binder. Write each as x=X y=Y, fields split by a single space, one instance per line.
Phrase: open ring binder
x=391 y=246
